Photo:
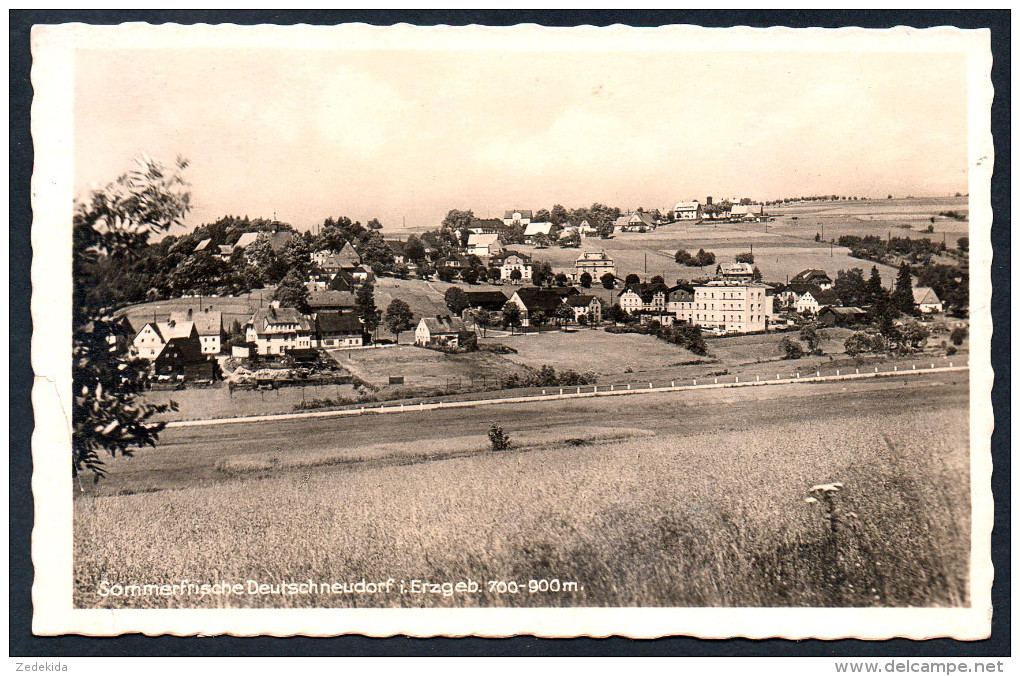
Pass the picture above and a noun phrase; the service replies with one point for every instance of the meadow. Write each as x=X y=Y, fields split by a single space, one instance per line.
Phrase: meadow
x=706 y=507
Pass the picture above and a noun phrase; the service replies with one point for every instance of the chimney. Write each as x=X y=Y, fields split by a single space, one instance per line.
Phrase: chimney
x=708 y=200
x=189 y=314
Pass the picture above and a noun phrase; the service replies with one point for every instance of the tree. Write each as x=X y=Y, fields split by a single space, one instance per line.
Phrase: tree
x=543 y=216
x=812 y=337
x=617 y=314
x=262 y=258
x=745 y=258
x=704 y=258
x=585 y=280
x=292 y=291
x=683 y=257
x=112 y=226
x=851 y=288
x=608 y=281
x=756 y=274
x=561 y=279
x=791 y=348
x=658 y=279
x=456 y=300
x=958 y=335
x=541 y=241
x=558 y=215
x=631 y=280
x=470 y=275
x=364 y=306
x=511 y=316
x=515 y=275
x=414 y=249
x=874 y=289
x=399 y=317
x=963 y=244
x=564 y=313
x=458 y=220
x=445 y=273
x=541 y=272
x=296 y=254
x=374 y=224
x=903 y=292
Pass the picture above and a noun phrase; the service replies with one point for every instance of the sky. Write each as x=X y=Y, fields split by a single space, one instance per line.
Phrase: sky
x=405 y=136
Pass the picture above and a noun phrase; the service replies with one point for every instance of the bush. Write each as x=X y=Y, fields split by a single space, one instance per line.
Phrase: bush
x=499 y=439
x=958 y=335
x=950 y=351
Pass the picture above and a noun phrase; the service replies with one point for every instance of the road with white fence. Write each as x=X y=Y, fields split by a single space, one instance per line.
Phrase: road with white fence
x=587 y=391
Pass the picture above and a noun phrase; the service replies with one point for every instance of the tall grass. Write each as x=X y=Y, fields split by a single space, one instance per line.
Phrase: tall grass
x=715 y=519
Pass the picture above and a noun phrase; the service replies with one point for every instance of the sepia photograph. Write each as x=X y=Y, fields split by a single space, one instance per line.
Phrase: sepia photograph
x=628 y=331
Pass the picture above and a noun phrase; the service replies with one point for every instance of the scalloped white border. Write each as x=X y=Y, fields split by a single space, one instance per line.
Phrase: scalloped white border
x=53 y=50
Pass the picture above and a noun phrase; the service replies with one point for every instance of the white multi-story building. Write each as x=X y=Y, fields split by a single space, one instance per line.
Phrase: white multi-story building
x=515 y=261
x=687 y=211
x=733 y=307
x=595 y=263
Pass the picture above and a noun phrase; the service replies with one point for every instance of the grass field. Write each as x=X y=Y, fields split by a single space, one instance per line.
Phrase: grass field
x=422 y=368
x=708 y=511
x=220 y=402
x=238 y=308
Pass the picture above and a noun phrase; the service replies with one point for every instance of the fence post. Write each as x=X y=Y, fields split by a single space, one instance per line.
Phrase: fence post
x=423 y=405
x=628 y=386
x=561 y=390
x=895 y=368
x=543 y=393
x=695 y=381
x=818 y=374
x=736 y=379
x=596 y=390
x=579 y=390
x=837 y=372
x=401 y=407
x=716 y=381
x=857 y=371
x=876 y=369
x=649 y=386
x=672 y=383
x=612 y=388
x=950 y=364
x=933 y=365
x=798 y=375
x=757 y=377
x=913 y=367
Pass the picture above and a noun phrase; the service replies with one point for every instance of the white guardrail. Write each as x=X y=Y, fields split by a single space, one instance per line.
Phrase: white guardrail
x=558 y=393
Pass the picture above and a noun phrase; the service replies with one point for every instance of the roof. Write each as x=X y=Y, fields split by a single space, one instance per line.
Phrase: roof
x=349 y=256
x=593 y=256
x=580 y=300
x=680 y=292
x=846 y=311
x=443 y=325
x=925 y=295
x=280 y=239
x=800 y=288
x=525 y=213
x=172 y=329
x=538 y=228
x=337 y=322
x=246 y=239
x=486 y=223
x=626 y=219
x=326 y=299
x=686 y=206
x=341 y=281
x=544 y=299
x=489 y=300
x=647 y=291
x=747 y=209
x=207 y=322
x=737 y=269
x=508 y=253
x=274 y=317
x=487 y=239
x=203 y=245
x=809 y=275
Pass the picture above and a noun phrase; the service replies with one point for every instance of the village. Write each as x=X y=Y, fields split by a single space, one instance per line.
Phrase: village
x=496 y=291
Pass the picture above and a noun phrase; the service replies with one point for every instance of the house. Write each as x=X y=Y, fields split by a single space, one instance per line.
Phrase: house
x=532 y=299
x=510 y=261
x=517 y=217
x=397 y=248
x=813 y=276
x=731 y=306
x=687 y=211
x=809 y=298
x=680 y=302
x=208 y=323
x=842 y=316
x=439 y=332
x=182 y=357
x=926 y=300
x=279 y=239
x=363 y=274
x=638 y=221
x=454 y=261
x=337 y=329
x=583 y=226
x=279 y=330
x=204 y=245
x=743 y=272
x=154 y=336
x=117 y=333
x=484 y=246
x=534 y=229
x=747 y=212
x=585 y=306
x=490 y=301
x=246 y=240
x=595 y=263
x=224 y=251
x=326 y=301
x=645 y=299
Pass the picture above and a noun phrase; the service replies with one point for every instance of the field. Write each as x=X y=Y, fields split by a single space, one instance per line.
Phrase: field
x=782 y=247
x=422 y=368
x=220 y=402
x=678 y=500
x=238 y=308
